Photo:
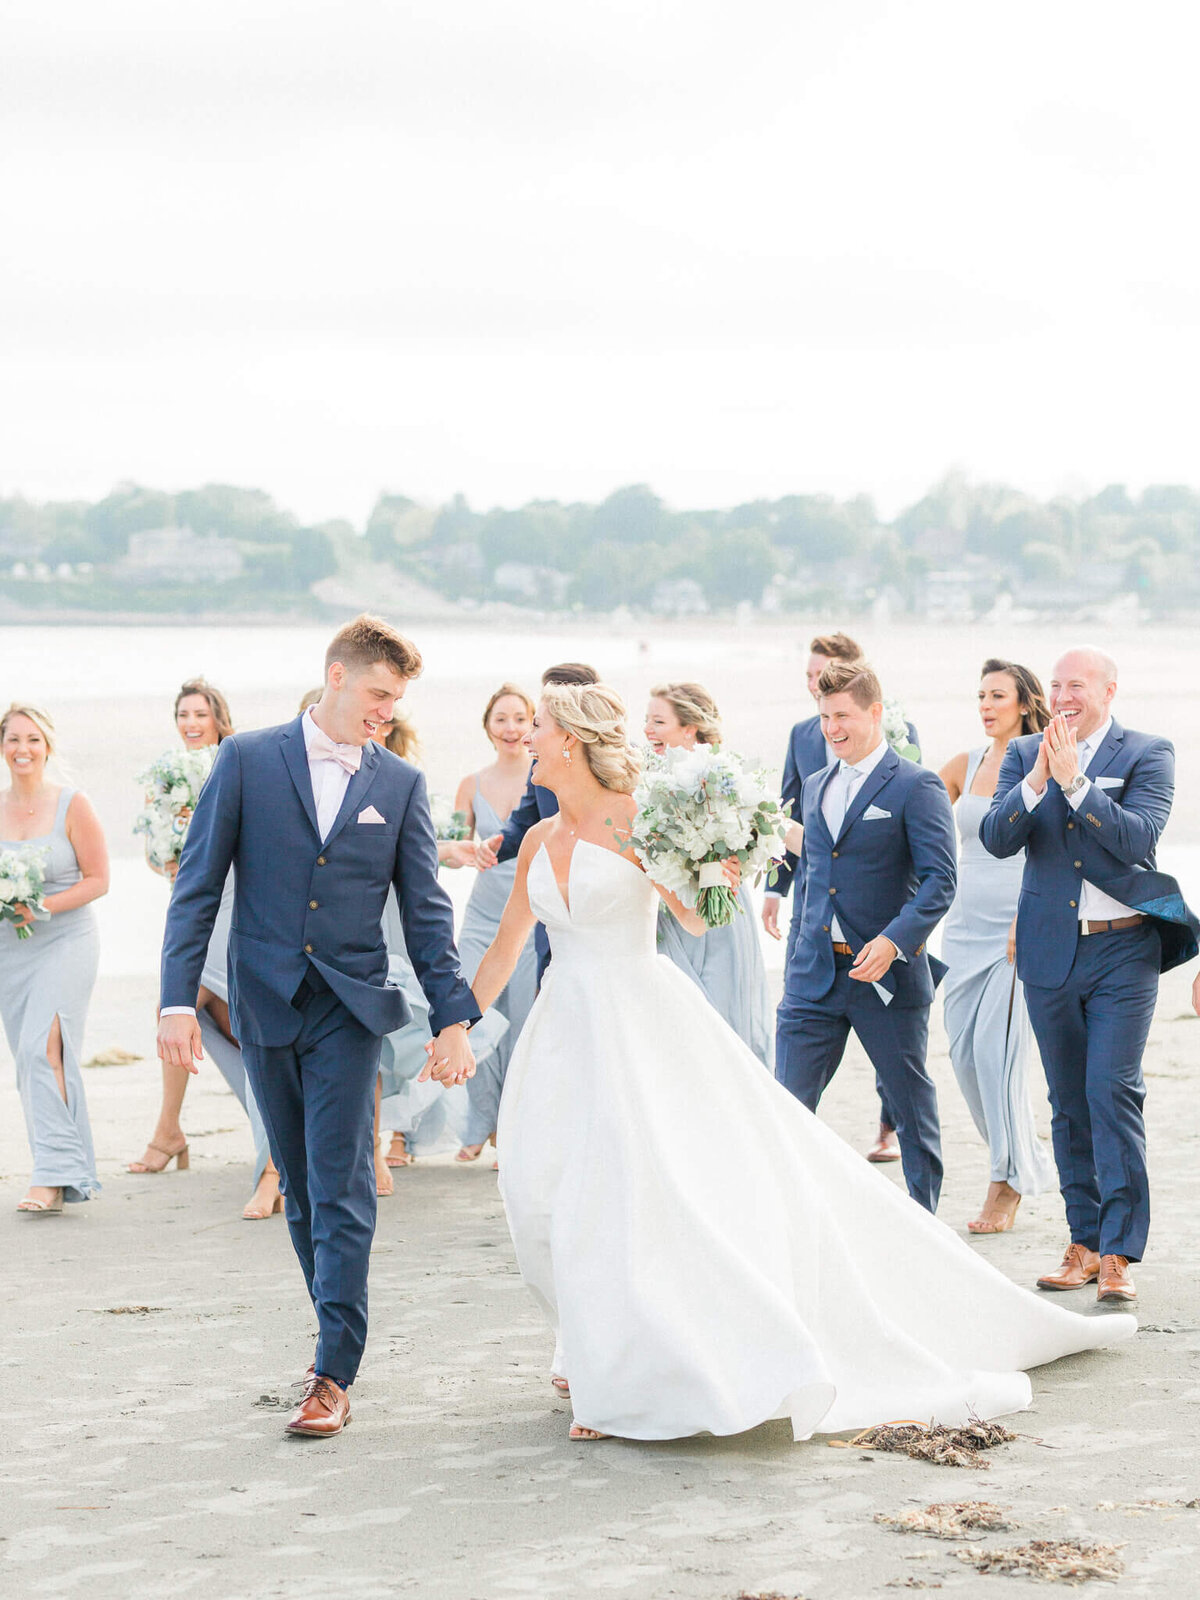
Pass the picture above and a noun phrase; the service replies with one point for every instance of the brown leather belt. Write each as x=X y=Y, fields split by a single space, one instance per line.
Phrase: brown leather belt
x=841 y=949
x=1114 y=926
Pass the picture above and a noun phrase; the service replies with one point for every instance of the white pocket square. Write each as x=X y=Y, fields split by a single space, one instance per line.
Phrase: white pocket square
x=875 y=814
x=370 y=815
x=1109 y=783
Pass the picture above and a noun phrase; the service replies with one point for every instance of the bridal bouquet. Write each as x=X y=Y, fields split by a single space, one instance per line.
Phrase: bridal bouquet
x=895 y=731
x=694 y=809
x=173 y=784
x=22 y=879
x=447 y=823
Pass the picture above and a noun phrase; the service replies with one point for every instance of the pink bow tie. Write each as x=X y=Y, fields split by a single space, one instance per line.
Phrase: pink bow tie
x=322 y=748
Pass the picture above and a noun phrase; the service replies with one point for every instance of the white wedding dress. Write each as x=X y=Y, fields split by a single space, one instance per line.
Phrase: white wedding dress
x=710 y=1255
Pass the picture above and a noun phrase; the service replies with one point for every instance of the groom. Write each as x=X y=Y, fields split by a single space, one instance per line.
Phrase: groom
x=878 y=872
x=319 y=822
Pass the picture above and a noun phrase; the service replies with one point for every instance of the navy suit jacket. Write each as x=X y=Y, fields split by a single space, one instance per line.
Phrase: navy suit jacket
x=1109 y=841
x=807 y=753
x=892 y=874
x=298 y=901
x=535 y=805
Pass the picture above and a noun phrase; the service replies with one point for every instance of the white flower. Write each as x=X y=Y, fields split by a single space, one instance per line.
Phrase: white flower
x=895 y=730
x=701 y=805
x=173 y=785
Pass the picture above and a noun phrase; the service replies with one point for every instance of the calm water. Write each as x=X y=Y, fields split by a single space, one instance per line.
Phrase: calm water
x=110 y=691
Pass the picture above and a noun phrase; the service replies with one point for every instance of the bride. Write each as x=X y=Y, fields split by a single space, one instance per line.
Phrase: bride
x=710 y=1255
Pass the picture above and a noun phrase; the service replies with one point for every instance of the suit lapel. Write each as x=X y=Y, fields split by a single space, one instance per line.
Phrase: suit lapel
x=868 y=789
x=1108 y=751
x=816 y=755
x=829 y=775
x=295 y=758
x=356 y=789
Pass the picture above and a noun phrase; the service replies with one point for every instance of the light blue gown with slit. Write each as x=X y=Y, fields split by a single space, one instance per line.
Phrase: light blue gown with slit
x=52 y=974
x=480 y=924
x=991 y=1040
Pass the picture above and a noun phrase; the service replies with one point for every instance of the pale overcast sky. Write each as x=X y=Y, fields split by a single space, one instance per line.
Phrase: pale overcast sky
x=525 y=248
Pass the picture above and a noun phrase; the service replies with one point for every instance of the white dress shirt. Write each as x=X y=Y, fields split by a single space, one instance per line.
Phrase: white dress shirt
x=836 y=801
x=1094 y=904
x=329 y=780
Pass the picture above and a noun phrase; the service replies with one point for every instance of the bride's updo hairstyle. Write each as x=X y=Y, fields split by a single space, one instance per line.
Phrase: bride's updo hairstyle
x=694 y=707
x=595 y=714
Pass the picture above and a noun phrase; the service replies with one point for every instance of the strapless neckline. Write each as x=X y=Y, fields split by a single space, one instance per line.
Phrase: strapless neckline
x=604 y=851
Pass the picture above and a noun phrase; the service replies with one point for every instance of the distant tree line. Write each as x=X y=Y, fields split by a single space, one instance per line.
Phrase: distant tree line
x=969 y=541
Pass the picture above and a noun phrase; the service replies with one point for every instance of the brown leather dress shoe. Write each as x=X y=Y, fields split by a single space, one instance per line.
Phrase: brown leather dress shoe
x=886 y=1147
x=1079 y=1266
x=324 y=1411
x=1115 y=1282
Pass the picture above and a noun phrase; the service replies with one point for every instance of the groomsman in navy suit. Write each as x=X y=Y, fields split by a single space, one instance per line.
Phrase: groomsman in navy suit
x=877 y=874
x=1096 y=923
x=535 y=805
x=319 y=822
x=808 y=752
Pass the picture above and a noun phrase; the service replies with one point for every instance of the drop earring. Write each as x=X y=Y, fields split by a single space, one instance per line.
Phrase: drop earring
x=566 y=755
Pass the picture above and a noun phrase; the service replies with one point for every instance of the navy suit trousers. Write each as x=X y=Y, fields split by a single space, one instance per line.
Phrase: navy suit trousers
x=317 y=1099
x=810 y=1040
x=1091 y=1033
x=886 y=1114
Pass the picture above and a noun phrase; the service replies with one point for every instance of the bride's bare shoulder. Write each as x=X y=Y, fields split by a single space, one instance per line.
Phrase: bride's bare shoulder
x=535 y=838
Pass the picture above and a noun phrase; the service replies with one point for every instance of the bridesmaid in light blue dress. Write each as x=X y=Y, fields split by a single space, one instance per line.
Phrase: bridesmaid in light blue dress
x=46 y=978
x=991 y=1040
x=726 y=964
x=423 y=1118
x=486 y=798
x=202 y=719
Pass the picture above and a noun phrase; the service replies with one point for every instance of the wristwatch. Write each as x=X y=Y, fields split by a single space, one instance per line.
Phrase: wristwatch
x=1078 y=782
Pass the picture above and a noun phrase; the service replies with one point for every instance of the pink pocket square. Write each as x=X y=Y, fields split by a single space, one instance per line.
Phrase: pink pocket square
x=370 y=815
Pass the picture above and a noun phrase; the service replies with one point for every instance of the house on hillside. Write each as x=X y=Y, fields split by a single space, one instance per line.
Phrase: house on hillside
x=177 y=555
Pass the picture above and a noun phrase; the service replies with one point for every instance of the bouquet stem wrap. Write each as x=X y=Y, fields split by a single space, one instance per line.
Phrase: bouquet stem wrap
x=716 y=902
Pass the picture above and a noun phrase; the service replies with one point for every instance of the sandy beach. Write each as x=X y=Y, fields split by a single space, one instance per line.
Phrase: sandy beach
x=152 y=1342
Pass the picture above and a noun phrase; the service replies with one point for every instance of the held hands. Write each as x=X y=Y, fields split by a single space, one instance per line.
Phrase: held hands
x=770 y=915
x=179 y=1042
x=26 y=918
x=486 y=852
x=451 y=1059
x=733 y=872
x=873 y=960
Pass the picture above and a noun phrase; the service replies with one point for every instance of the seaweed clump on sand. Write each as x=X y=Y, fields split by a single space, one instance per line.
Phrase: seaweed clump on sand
x=945 y=1447
x=1055 y=1560
x=955 y=1519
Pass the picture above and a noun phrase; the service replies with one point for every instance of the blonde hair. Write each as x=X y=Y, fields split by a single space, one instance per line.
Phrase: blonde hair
x=40 y=719
x=595 y=714
x=310 y=698
x=695 y=708
x=403 y=740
